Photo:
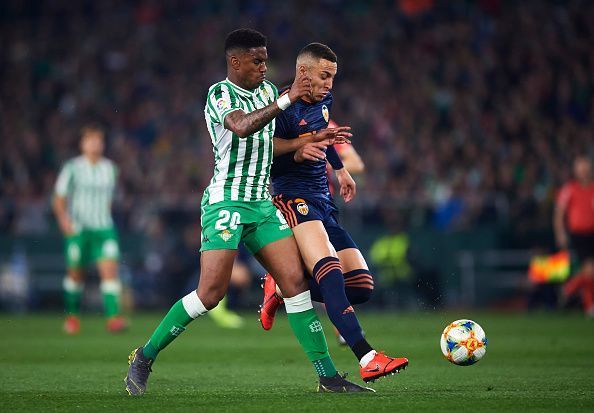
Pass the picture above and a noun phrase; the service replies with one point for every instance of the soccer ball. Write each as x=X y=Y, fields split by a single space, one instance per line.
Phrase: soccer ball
x=463 y=342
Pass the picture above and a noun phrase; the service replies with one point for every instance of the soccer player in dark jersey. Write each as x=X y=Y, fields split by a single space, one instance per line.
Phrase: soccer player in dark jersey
x=300 y=186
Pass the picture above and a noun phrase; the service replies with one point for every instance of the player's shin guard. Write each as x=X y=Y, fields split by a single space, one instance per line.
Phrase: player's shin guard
x=328 y=274
x=72 y=295
x=307 y=328
x=111 y=291
x=174 y=323
x=358 y=286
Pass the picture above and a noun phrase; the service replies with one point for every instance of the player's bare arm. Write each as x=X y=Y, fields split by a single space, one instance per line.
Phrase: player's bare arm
x=329 y=135
x=314 y=151
x=245 y=124
x=348 y=187
x=351 y=160
x=559 y=226
x=61 y=212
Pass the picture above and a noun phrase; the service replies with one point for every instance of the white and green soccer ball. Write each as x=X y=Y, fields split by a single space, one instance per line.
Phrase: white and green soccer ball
x=463 y=342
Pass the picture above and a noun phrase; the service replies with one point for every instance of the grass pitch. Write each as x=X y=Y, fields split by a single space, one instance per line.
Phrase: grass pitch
x=542 y=362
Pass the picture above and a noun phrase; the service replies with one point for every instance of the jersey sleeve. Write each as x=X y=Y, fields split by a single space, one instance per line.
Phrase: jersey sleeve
x=64 y=181
x=221 y=101
x=333 y=158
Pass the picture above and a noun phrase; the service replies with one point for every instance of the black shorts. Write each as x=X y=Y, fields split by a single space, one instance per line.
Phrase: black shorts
x=297 y=210
x=583 y=245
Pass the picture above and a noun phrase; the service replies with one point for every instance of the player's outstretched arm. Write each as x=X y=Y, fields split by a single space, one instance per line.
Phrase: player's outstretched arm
x=328 y=137
x=245 y=124
x=313 y=151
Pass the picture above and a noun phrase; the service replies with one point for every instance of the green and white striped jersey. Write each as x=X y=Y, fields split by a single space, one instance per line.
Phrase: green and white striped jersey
x=242 y=165
x=89 y=190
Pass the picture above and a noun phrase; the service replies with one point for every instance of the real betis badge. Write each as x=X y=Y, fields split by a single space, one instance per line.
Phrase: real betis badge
x=226 y=235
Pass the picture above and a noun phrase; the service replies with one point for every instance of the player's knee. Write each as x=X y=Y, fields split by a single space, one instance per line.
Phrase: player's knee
x=75 y=275
x=293 y=284
x=359 y=295
x=211 y=297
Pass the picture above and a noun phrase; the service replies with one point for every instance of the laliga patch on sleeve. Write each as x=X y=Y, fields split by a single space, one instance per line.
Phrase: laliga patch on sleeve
x=222 y=104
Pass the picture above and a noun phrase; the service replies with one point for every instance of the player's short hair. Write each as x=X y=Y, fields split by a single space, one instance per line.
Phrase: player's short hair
x=244 y=39
x=91 y=127
x=318 y=51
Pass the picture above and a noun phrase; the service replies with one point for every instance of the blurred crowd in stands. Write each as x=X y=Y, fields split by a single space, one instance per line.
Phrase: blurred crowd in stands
x=468 y=111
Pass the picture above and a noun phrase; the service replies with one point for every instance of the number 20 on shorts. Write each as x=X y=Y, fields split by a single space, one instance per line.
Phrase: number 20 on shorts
x=234 y=219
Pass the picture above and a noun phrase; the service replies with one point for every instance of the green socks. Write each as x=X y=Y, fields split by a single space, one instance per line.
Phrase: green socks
x=307 y=328
x=72 y=295
x=302 y=318
x=174 y=323
x=111 y=291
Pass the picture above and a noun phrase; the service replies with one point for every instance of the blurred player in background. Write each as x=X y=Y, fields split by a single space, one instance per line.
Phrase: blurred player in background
x=348 y=155
x=82 y=205
x=300 y=186
x=236 y=207
x=574 y=226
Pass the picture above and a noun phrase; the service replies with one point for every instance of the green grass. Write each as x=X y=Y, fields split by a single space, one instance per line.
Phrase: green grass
x=542 y=362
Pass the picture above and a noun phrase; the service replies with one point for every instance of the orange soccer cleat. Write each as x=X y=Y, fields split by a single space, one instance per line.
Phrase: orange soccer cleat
x=116 y=324
x=382 y=365
x=271 y=302
x=72 y=325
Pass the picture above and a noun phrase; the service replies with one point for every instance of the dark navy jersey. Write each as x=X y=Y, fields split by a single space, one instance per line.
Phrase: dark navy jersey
x=307 y=179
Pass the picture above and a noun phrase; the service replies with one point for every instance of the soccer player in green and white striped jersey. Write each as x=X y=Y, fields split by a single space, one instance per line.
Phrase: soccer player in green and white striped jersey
x=236 y=207
x=82 y=204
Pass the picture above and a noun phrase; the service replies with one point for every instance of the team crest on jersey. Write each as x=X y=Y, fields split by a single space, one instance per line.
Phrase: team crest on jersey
x=222 y=104
x=325 y=113
x=226 y=235
x=302 y=207
x=265 y=93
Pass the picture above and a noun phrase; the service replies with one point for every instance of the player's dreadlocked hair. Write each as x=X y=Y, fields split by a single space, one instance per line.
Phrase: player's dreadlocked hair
x=244 y=39
x=318 y=51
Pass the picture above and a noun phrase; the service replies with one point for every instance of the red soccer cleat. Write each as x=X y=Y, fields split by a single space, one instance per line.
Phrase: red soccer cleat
x=271 y=302
x=72 y=325
x=382 y=365
x=116 y=324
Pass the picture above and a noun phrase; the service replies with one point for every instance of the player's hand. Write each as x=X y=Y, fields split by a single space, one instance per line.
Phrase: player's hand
x=301 y=86
x=312 y=151
x=66 y=227
x=339 y=135
x=348 y=187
